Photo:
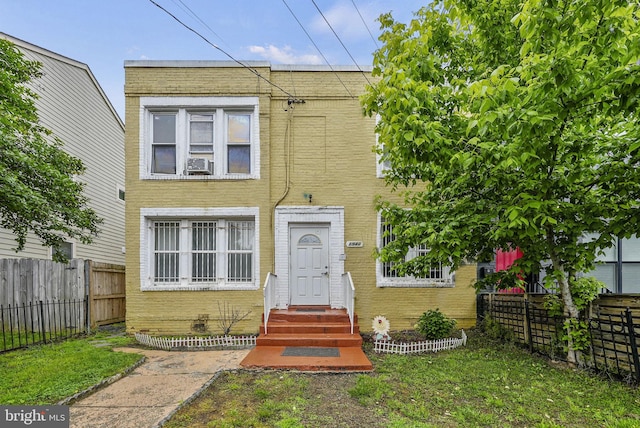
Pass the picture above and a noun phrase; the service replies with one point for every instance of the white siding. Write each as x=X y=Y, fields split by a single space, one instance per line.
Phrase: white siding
x=74 y=107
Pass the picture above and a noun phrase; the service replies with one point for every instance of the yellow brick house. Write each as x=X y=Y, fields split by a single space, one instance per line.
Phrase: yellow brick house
x=240 y=178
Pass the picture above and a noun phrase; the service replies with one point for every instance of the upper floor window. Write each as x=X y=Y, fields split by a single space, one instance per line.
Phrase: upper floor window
x=383 y=163
x=388 y=276
x=199 y=137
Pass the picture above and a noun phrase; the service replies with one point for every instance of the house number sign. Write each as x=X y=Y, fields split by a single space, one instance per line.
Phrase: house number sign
x=355 y=244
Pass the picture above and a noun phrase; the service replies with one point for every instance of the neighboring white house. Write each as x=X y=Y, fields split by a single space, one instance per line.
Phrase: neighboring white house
x=73 y=105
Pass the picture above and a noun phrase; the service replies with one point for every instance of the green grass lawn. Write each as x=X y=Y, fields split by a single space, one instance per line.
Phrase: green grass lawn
x=484 y=384
x=46 y=374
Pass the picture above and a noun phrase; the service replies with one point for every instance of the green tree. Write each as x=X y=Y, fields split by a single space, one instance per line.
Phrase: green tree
x=511 y=123
x=38 y=192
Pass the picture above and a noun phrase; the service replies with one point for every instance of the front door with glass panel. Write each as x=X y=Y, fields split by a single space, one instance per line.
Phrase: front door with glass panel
x=309 y=264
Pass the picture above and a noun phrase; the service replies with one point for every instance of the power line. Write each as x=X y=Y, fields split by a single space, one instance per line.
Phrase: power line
x=317 y=48
x=338 y=37
x=254 y=71
x=195 y=15
x=375 y=42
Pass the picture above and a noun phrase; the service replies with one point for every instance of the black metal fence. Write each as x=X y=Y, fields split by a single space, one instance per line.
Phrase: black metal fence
x=42 y=322
x=614 y=337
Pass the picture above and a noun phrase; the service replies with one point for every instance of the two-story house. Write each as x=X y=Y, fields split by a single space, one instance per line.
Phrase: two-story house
x=241 y=177
x=74 y=107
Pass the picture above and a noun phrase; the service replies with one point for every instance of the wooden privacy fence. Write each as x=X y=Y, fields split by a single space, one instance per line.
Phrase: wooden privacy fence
x=613 y=320
x=28 y=281
x=106 y=293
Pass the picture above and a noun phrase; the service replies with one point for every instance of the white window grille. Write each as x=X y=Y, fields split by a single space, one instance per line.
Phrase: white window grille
x=203 y=251
x=220 y=251
x=388 y=275
x=240 y=251
x=166 y=251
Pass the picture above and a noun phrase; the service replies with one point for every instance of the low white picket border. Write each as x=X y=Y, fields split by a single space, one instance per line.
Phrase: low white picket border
x=417 y=347
x=196 y=342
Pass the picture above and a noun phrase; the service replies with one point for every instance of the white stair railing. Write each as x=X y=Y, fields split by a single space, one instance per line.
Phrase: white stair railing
x=349 y=292
x=269 y=294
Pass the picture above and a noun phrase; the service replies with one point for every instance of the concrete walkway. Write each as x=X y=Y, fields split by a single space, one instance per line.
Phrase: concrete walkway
x=153 y=391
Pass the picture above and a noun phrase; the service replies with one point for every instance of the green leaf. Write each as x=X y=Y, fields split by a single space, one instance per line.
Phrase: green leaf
x=408 y=135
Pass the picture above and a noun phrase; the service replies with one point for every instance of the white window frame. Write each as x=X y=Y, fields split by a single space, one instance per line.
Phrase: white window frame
x=186 y=216
x=381 y=166
x=447 y=279
x=220 y=107
x=71 y=243
x=124 y=193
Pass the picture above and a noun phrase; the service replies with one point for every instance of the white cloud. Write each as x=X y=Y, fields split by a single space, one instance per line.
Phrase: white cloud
x=284 y=55
x=134 y=51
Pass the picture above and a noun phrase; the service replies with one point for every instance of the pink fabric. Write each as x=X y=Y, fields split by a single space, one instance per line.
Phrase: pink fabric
x=504 y=260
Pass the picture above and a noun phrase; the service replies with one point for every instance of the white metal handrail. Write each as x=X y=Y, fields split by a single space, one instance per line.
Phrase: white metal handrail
x=349 y=296
x=269 y=293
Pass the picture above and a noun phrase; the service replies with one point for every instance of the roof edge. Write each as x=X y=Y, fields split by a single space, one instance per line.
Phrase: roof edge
x=193 y=63
x=238 y=64
x=81 y=65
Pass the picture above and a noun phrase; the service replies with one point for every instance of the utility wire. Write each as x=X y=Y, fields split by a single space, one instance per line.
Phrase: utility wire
x=254 y=71
x=195 y=15
x=338 y=37
x=375 y=42
x=317 y=48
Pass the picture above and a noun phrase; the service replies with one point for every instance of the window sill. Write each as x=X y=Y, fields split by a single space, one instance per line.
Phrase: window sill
x=415 y=284
x=200 y=177
x=203 y=287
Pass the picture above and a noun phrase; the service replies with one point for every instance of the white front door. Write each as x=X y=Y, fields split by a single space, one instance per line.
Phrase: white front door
x=309 y=264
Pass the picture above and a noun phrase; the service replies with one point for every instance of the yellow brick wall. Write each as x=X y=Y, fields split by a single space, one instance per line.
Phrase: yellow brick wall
x=322 y=147
x=174 y=312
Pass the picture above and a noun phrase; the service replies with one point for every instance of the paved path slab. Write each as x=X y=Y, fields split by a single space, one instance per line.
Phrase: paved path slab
x=154 y=390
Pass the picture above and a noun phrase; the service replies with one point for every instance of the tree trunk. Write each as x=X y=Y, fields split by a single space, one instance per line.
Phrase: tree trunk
x=570 y=309
x=571 y=312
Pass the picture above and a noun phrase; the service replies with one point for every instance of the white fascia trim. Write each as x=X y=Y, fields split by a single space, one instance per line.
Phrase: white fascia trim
x=145 y=255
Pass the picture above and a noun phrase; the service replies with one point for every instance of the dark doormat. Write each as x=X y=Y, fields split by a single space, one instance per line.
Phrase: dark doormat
x=309 y=310
x=296 y=351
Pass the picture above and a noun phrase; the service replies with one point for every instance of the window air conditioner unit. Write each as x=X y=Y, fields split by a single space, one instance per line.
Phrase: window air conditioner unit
x=199 y=166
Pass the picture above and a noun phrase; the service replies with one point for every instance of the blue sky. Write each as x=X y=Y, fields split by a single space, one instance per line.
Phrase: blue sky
x=105 y=33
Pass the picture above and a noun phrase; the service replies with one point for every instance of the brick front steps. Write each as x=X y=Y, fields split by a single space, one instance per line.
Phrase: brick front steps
x=314 y=332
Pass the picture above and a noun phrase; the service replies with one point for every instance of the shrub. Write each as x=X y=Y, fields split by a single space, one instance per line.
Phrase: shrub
x=496 y=331
x=433 y=324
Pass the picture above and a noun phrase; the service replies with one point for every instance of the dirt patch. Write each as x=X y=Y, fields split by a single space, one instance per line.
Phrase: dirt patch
x=311 y=399
x=330 y=403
